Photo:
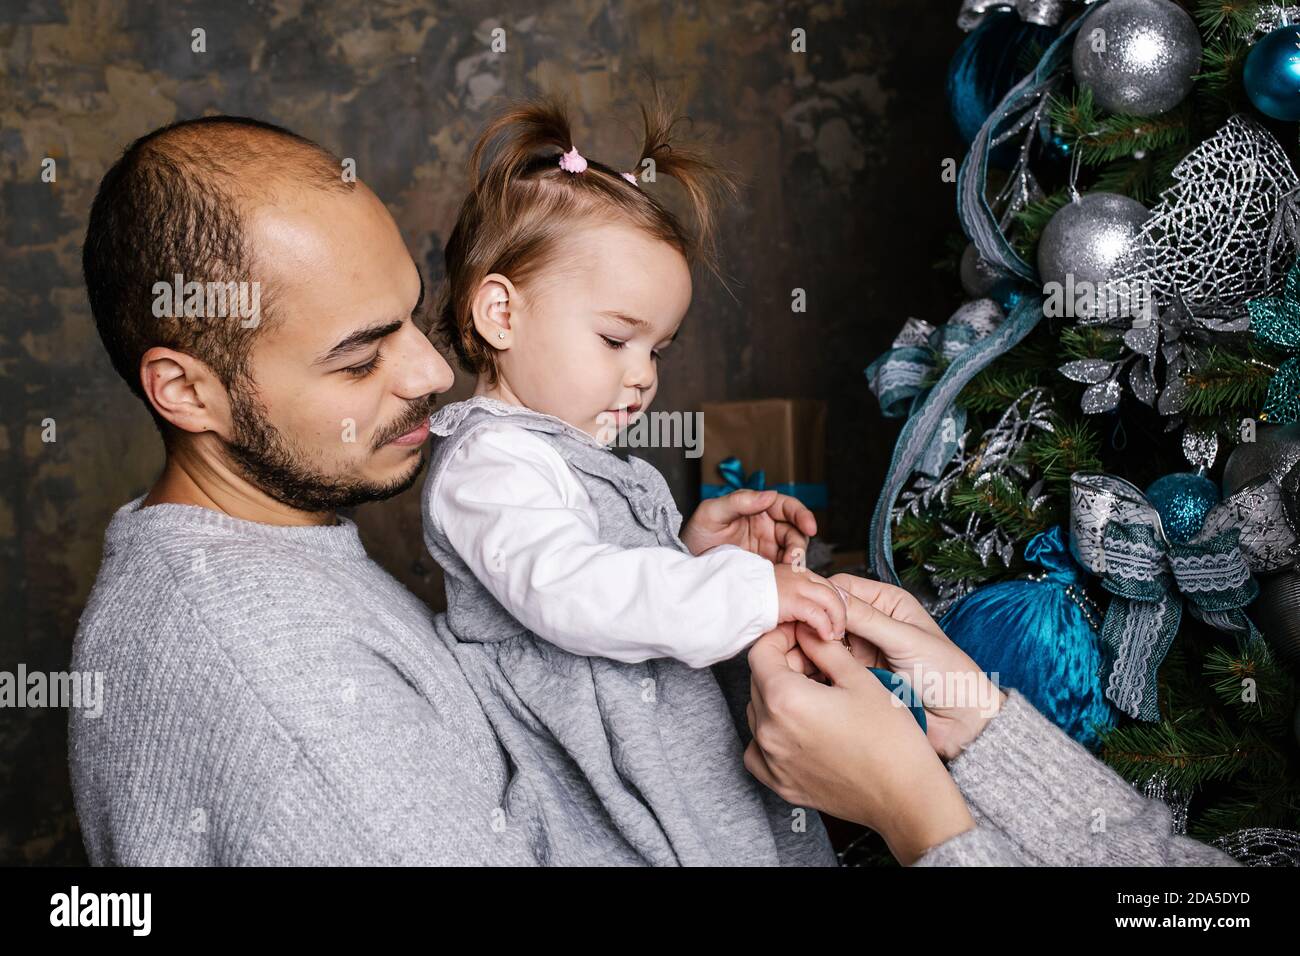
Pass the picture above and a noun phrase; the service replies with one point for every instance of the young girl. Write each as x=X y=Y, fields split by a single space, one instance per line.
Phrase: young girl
x=585 y=623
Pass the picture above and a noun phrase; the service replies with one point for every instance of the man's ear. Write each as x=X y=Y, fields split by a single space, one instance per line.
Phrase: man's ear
x=185 y=391
x=493 y=308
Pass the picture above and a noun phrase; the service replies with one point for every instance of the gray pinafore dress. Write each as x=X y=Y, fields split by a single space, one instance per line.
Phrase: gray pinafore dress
x=611 y=763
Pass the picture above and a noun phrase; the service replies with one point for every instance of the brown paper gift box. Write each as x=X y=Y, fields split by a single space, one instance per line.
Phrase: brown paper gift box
x=785 y=438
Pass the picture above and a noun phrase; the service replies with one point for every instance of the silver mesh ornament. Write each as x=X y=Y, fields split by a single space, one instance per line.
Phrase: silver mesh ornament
x=1207 y=243
x=1178 y=800
x=1262 y=846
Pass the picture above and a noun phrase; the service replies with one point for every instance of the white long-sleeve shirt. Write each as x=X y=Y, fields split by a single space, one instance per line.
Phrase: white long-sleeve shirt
x=518 y=516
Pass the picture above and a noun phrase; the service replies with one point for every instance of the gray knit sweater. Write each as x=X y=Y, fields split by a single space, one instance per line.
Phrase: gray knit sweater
x=274 y=697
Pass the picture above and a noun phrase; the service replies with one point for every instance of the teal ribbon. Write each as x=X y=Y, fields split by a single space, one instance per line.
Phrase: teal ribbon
x=900 y=378
x=982 y=226
x=1275 y=320
x=733 y=475
x=813 y=494
x=918 y=434
x=1116 y=534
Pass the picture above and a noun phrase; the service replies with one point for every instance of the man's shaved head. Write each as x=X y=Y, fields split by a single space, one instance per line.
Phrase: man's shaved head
x=177 y=203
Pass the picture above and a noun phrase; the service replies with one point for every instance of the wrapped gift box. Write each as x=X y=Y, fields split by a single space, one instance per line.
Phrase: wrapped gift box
x=774 y=443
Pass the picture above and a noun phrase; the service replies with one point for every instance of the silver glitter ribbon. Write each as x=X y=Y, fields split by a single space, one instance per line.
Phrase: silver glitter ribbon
x=1116 y=534
x=1046 y=13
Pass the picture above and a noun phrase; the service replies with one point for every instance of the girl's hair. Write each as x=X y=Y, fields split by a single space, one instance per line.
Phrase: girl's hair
x=522 y=206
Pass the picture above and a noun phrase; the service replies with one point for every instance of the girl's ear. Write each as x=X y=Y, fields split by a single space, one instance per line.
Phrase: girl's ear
x=491 y=307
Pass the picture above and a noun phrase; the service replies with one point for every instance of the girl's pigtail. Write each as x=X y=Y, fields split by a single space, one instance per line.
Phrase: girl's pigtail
x=707 y=183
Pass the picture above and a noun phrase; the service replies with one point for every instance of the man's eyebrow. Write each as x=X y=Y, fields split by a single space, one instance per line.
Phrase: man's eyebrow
x=623 y=317
x=420 y=301
x=359 y=338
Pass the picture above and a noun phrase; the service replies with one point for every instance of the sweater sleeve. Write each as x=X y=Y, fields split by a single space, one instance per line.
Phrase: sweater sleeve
x=1057 y=805
x=982 y=845
x=514 y=512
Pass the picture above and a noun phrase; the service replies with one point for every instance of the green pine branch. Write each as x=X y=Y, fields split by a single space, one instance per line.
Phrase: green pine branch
x=1230 y=17
x=1056 y=455
x=1253 y=685
x=1033 y=219
x=1091 y=341
x=1230 y=385
x=1143 y=179
x=999 y=500
x=1188 y=752
x=1103 y=138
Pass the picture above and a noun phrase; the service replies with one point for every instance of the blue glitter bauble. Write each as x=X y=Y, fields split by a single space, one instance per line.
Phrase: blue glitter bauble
x=1183 y=500
x=1272 y=74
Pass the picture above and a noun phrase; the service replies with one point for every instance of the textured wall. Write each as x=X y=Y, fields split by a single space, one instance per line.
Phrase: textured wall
x=841 y=147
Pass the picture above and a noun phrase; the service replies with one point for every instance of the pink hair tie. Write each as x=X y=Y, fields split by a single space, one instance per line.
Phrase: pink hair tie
x=572 y=161
x=631 y=177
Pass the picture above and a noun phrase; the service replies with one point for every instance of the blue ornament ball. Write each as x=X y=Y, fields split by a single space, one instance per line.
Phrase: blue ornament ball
x=1041 y=637
x=1183 y=500
x=985 y=68
x=1272 y=74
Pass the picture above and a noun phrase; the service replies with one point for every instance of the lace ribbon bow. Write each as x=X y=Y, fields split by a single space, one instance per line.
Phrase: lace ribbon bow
x=1117 y=535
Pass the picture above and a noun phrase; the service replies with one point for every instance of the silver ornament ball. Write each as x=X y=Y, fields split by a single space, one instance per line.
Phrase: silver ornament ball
x=1272 y=454
x=979 y=277
x=1137 y=56
x=1094 y=239
x=1276 y=612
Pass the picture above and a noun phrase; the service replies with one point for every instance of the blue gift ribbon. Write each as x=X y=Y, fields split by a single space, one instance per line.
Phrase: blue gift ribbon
x=899 y=686
x=812 y=494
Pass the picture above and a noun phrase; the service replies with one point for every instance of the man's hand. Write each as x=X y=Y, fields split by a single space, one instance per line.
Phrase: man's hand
x=767 y=523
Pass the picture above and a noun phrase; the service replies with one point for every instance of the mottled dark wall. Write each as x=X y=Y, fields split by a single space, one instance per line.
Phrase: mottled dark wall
x=841 y=147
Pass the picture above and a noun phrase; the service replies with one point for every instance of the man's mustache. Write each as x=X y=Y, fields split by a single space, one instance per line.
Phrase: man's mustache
x=419 y=411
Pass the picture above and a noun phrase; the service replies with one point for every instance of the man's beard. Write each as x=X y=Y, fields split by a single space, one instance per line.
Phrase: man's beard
x=272 y=462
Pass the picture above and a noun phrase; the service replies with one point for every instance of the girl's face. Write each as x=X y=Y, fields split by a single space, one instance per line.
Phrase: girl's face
x=583 y=343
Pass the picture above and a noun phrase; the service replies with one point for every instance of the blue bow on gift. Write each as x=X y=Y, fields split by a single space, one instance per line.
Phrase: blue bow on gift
x=733 y=474
x=1117 y=535
x=901 y=378
x=812 y=494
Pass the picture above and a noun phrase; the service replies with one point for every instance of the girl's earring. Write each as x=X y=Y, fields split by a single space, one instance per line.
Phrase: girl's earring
x=500 y=334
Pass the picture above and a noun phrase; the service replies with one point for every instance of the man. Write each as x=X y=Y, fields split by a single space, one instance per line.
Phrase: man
x=273 y=696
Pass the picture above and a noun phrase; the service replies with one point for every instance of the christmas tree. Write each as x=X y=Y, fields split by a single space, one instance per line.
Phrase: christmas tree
x=1106 y=426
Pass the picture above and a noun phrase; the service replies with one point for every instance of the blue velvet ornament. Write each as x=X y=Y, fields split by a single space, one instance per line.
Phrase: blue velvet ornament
x=1183 y=500
x=1272 y=74
x=985 y=68
x=1040 y=637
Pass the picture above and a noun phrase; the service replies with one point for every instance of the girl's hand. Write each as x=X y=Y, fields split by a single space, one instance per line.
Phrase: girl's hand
x=764 y=522
x=888 y=628
x=810 y=598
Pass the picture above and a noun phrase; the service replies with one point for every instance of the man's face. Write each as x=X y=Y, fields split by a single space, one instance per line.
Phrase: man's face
x=343 y=379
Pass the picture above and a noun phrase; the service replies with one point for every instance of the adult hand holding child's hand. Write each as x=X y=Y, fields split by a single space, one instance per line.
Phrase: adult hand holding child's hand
x=888 y=628
x=849 y=747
